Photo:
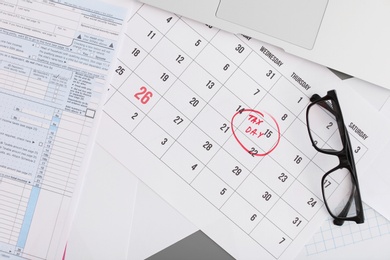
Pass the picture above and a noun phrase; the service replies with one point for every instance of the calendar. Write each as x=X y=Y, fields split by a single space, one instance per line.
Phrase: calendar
x=215 y=123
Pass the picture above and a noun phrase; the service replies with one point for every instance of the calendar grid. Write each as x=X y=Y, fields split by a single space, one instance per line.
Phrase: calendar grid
x=187 y=124
x=192 y=121
x=205 y=165
x=264 y=216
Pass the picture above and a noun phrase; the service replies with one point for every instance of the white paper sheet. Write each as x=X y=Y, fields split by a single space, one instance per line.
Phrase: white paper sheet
x=149 y=234
x=102 y=225
x=376 y=183
x=115 y=204
x=169 y=121
x=378 y=178
x=55 y=59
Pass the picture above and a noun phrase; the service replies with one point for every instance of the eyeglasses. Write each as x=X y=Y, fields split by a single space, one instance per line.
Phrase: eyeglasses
x=329 y=135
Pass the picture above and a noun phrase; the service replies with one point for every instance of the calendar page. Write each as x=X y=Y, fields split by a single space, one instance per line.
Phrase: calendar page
x=215 y=123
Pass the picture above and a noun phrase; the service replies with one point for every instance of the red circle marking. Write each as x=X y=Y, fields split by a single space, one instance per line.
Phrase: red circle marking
x=262 y=115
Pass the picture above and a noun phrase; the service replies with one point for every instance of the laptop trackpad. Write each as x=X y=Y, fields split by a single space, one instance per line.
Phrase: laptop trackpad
x=295 y=21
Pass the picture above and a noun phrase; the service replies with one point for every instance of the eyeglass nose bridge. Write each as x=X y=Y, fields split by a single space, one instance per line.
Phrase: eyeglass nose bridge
x=343 y=158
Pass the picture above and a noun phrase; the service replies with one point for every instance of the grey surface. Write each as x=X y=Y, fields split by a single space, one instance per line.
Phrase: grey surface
x=341 y=75
x=197 y=246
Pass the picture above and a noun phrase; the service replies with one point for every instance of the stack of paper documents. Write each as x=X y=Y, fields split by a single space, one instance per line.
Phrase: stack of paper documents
x=177 y=88
x=201 y=130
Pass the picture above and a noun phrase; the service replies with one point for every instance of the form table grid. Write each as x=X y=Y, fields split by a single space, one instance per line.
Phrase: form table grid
x=331 y=237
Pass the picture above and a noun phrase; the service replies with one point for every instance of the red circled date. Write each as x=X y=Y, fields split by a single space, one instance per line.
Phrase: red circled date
x=143 y=95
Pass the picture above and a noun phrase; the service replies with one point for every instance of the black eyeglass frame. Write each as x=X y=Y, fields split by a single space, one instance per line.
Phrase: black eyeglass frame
x=345 y=156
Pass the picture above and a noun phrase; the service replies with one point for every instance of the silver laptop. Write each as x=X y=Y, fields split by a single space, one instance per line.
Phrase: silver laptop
x=347 y=35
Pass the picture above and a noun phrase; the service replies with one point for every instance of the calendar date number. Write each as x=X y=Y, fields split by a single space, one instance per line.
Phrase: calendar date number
x=143 y=95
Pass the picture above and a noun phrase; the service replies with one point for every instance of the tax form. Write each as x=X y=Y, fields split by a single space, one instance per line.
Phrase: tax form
x=54 y=62
x=187 y=100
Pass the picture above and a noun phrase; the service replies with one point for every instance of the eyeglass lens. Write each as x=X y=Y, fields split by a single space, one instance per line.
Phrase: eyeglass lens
x=323 y=126
x=341 y=204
